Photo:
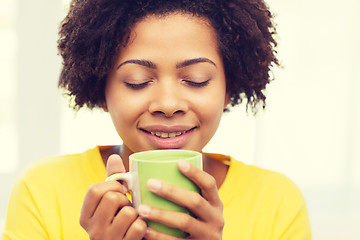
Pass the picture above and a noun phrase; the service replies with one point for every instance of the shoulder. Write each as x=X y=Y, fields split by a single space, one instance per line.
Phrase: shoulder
x=50 y=188
x=257 y=182
x=266 y=199
x=279 y=199
x=259 y=176
x=63 y=169
x=51 y=165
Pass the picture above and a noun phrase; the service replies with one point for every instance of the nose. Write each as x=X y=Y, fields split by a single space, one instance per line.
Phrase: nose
x=168 y=100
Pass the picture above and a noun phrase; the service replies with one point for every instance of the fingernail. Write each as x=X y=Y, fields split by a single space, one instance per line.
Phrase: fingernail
x=154 y=185
x=147 y=232
x=184 y=165
x=144 y=210
x=125 y=190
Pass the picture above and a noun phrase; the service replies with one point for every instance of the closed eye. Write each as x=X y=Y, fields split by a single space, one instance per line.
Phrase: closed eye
x=197 y=84
x=137 y=85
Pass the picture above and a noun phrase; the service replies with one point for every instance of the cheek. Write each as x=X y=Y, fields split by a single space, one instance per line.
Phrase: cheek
x=209 y=116
x=124 y=110
x=210 y=109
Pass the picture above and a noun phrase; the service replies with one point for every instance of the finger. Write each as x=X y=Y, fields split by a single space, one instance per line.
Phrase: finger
x=172 y=219
x=203 y=180
x=137 y=230
x=94 y=196
x=114 y=165
x=122 y=221
x=152 y=234
x=189 y=199
x=108 y=207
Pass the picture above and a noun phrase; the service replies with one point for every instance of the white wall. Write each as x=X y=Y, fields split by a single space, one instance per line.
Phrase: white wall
x=310 y=130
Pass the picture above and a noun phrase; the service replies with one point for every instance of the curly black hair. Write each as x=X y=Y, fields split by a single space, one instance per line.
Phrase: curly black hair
x=93 y=31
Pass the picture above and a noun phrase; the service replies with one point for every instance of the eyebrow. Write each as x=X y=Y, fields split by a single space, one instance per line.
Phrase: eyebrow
x=194 y=61
x=144 y=63
x=182 y=64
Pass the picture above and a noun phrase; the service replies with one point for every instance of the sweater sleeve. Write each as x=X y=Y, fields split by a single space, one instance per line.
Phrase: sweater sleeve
x=23 y=220
x=293 y=220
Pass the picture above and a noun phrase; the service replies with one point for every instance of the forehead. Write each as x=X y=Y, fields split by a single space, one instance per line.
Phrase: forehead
x=175 y=30
x=173 y=20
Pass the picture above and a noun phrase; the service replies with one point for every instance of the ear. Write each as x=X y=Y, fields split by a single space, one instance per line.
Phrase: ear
x=227 y=99
x=103 y=105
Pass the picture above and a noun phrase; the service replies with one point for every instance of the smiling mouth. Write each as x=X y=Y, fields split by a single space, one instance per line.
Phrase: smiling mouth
x=160 y=134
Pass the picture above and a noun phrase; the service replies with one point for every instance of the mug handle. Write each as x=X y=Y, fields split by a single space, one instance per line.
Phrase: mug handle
x=127 y=177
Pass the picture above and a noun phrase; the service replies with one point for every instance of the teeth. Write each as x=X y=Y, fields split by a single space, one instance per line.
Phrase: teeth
x=167 y=135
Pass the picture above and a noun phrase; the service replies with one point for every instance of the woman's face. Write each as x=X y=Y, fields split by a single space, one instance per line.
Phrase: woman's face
x=167 y=89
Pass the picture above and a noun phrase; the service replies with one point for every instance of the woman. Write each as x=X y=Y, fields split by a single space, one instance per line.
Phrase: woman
x=165 y=71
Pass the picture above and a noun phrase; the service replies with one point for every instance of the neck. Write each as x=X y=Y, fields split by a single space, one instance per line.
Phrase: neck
x=120 y=150
x=125 y=152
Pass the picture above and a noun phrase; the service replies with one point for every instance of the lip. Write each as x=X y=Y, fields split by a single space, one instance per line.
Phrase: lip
x=171 y=142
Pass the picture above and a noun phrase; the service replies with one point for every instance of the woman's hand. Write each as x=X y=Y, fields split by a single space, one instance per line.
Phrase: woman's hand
x=207 y=207
x=107 y=213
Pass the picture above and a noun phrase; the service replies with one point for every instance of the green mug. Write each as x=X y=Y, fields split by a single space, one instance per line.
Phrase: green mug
x=162 y=165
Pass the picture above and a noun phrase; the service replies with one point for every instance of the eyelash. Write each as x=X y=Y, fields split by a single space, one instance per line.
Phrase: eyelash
x=190 y=83
x=136 y=86
x=197 y=84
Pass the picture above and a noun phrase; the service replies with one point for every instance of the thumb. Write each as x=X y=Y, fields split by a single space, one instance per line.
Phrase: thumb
x=114 y=165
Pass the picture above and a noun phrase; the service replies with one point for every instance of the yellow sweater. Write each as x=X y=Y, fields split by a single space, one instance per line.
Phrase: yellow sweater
x=46 y=200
